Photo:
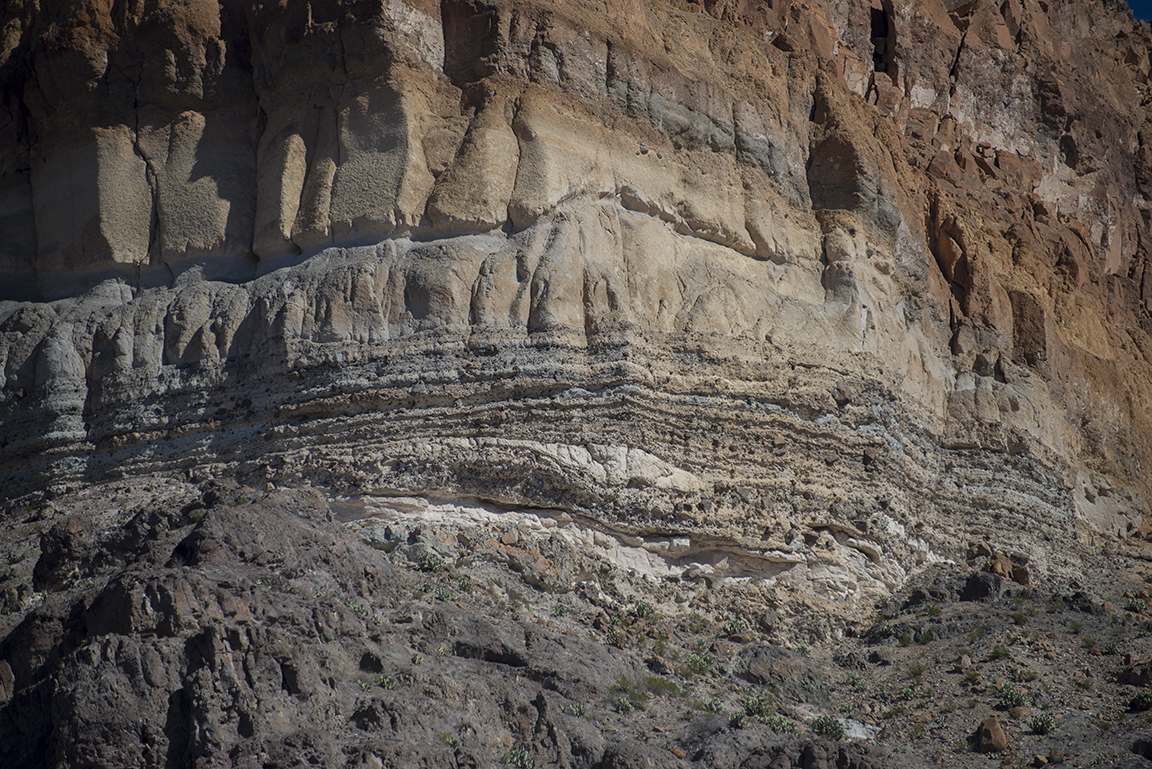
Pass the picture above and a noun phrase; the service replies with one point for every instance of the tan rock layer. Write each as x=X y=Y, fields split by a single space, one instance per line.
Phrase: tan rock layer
x=333 y=230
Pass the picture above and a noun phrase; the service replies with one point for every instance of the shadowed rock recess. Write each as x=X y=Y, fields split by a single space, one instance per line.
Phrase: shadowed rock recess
x=767 y=305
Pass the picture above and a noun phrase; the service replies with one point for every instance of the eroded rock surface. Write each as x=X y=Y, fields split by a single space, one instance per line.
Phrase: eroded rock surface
x=830 y=287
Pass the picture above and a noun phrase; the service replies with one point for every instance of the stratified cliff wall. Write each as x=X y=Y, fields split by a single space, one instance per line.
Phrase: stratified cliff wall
x=876 y=275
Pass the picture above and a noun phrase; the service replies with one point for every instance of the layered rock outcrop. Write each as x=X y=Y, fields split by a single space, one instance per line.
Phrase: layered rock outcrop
x=835 y=284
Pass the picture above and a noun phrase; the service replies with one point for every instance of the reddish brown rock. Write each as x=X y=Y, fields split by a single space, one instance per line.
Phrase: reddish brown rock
x=990 y=736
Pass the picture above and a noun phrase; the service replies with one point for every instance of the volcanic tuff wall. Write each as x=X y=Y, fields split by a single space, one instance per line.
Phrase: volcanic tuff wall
x=840 y=285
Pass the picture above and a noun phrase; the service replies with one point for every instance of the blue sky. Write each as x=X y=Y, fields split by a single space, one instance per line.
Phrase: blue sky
x=1141 y=8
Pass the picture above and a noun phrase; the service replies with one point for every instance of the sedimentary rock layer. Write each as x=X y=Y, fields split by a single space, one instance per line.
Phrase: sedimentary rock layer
x=873 y=278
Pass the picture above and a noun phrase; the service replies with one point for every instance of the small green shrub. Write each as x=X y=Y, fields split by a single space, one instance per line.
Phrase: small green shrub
x=905 y=640
x=906 y=693
x=803 y=651
x=916 y=671
x=932 y=611
x=1075 y=626
x=925 y=638
x=1088 y=642
x=644 y=610
x=1136 y=605
x=1020 y=618
x=430 y=561
x=738 y=719
x=624 y=704
x=1011 y=697
x=520 y=759
x=388 y=682
x=465 y=584
x=578 y=709
x=856 y=681
x=699 y=662
x=733 y=627
x=561 y=610
x=1142 y=701
x=999 y=652
x=976 y=635
x=760 y=705
x=450 y=740
x=1041 y=723
x=778 y=724
x=828 y=727
x=442 y=594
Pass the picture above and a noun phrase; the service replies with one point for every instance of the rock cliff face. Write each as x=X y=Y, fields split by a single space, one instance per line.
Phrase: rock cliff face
x=808 y=294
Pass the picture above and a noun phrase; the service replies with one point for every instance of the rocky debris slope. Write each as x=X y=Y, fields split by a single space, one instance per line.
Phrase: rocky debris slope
x=160 y=624
x=834 y=287
x=235 y=628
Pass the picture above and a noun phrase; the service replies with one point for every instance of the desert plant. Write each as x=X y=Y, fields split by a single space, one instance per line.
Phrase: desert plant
x=1142 y=701
x=733 y=627
x=465 y=584
x=561 y=610
x=430 y=561
x=699 y=662
x=520 y=759
x=828 y=726
x=738 y=719
x=1041 y=723
x=624 y=704
x=388 y=682
x=778 y=724
x=760 y=705
x=803 y=651
x=578 y=709
x=644 y=610
x=998 y=652
x=450 y=740
x=856 y=681
x=1136 y=605
x=1011 y=697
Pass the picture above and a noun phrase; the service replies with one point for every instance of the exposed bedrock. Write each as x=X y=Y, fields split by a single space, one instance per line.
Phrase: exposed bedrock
x=863 y=281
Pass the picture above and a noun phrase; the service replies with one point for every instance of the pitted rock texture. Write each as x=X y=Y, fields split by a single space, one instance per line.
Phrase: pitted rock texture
x=855 y=279
x=224 y=627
